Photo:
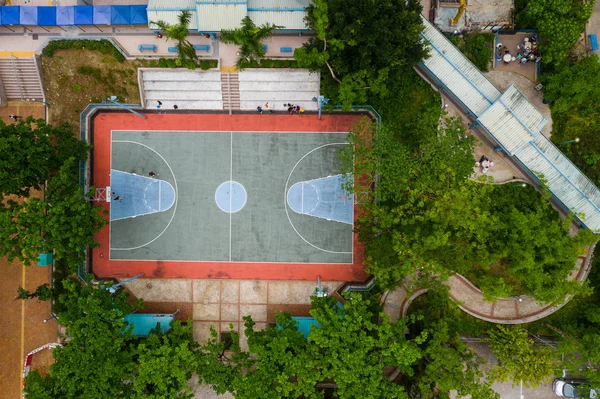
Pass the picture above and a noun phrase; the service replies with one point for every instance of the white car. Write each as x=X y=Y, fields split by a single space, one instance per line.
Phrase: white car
x=571 y=388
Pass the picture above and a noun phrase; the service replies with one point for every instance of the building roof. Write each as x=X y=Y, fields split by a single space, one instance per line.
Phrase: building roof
x=214 y=16
x=456 y=72
x=287 y=13
x=512 y=120
x=565 y=181
x=161 y=10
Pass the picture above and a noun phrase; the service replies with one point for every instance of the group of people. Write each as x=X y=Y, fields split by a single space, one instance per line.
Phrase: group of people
x=290 y=107
x=117 y=197
x=527 y=51
x=485 y=164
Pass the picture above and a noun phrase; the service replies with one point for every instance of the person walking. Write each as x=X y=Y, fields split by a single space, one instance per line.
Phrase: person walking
x=117 y=198
x=259 y=109
x=175 y=106
x=14 y=117
x=152 y=174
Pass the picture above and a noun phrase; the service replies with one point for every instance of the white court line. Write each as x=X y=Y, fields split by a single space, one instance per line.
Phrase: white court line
x=287 y=183
x=302 y=198
x=159 y=193
x=230 y=187
x=176 y=196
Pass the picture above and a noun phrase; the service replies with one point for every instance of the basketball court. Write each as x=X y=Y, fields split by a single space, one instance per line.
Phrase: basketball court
x=224 y=196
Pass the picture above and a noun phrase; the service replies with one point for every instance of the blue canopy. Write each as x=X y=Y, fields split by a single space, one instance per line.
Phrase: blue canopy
x=29 y=15
x=119 y=15
x=139 y=15
x=10 y=15
x=101 y=15
x=65 y=16
x=84 y=15
x=47 y=16
x=144 y=323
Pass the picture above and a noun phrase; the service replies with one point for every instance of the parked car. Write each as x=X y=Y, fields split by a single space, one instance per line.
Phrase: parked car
x=574 y=388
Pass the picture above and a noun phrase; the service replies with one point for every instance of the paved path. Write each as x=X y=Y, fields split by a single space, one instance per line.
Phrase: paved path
x=470 y=299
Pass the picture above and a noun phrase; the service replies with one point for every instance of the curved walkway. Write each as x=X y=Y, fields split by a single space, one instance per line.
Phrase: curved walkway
x=470 y=299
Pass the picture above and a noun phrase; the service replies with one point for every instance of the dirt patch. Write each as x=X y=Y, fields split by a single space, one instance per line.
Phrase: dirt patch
x=75 y=78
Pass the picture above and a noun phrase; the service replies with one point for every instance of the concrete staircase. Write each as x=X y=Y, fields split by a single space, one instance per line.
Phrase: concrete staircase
x=230 y=87
x=21 y=78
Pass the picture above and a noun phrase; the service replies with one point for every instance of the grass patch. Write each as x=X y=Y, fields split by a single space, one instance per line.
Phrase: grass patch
x=98 y=74
x=477 y=47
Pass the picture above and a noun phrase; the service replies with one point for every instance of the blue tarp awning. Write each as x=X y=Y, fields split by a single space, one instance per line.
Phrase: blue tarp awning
x=28 y=15
x=10 y=15
x=84 y=15
x=65 y=16
x=46 y=16
x=143 y=323
x=119 y=15
x=139 y=15
x=101 y=15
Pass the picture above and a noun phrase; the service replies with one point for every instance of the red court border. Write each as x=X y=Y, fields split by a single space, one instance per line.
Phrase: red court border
x=104 y=122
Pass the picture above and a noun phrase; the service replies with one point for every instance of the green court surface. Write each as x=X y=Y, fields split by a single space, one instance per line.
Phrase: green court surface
x=261 y=227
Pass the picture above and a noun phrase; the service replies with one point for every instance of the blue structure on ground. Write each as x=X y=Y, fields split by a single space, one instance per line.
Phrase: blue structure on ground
x=74 y=15
x=144 y=323
x=324 y=198
x=134 y=195
x=303 y=323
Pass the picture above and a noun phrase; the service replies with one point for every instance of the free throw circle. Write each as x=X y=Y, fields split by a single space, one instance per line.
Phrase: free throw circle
x=230 y=196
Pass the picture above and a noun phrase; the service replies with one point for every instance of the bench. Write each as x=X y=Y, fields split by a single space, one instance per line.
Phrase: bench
x=147 y=47
x=202 y=47
x=172 y=49
x=593 y=42
x=286 y=50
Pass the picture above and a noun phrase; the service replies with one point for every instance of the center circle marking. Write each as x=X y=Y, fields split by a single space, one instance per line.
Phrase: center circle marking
x=230 y=196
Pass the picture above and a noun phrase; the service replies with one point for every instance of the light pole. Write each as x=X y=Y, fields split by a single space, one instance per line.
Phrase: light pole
x=575 y=140
x=37 y=101
x=454 y=33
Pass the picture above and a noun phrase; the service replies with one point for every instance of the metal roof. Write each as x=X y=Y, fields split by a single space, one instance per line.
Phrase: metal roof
x=160 y=10
x=456 y=72
x=512 y=120
x=290 y=20
x=279 y=4
x=216 y=16
x=565 y=181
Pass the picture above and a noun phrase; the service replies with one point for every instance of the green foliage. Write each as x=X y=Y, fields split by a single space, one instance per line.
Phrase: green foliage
x=179 y=32
x=63 y=221
x=362 y=47
x=559 y=24
x=176 y=63
x=426 y=215
x=96 y=73
x=450 y=363
x=102 y=359
x=249 y=37
x=347 y=349
x=477 y=47
x=42 y=293
x=177 y=349
x=104 y=46
x=518 y=359
x=574 y=95
x=31 y=152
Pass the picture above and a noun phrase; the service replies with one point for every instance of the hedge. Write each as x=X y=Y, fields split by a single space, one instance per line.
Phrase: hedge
x=103 y=46
x=176 y=63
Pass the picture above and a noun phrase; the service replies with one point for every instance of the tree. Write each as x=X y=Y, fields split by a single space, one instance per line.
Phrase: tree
x=42 y=293
x=249 y=37
x=427 y=216
x=31 y=152
x=346 y=349
x=559 y=24
x=179 y=32
x=63 y=221
x=177 y=349
x=102 y=359
x=518 y=359
x=362 y=47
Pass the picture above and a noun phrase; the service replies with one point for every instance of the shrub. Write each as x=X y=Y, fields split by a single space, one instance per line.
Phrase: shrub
x=103 y=46
x=204 y=65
